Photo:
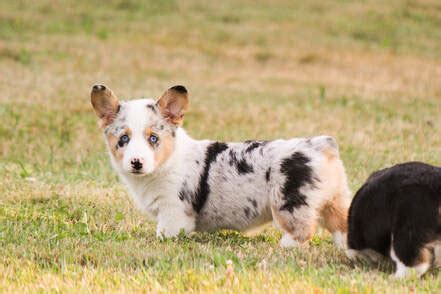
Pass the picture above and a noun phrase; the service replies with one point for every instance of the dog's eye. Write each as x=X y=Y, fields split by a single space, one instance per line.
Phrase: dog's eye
x=123 y=140
x=153 y=139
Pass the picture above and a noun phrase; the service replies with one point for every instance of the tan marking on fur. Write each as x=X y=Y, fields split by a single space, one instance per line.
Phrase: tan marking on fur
x=334 y=216
x=300 y=231
x=435 y=247
x=147 y=133
x=164 y=149
x=112 y=140
x=105 y=104
x=330 y=153
x=189 y=211
x=424 y=256
x=334 y=212
x=280 y=220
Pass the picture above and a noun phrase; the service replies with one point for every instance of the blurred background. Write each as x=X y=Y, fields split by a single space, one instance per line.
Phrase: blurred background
x=366 y=72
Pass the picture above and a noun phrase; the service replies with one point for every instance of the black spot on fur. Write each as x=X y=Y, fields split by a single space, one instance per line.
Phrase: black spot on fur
x=197 y=162
x=298 y=174
x=253 y=202
x=247 y=211
x=244 y=167
x=181 y=195
x=252 y=146
x=268 y=174
x=151 y=107
x=233 y=158
x=184 y=193
x=203 y=189
x=251 y=212
x=179 y=89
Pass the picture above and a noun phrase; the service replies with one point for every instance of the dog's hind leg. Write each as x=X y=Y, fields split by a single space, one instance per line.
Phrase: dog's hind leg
x=334 y=209
x=412 y=231
x=297 y=226
x=334 y=214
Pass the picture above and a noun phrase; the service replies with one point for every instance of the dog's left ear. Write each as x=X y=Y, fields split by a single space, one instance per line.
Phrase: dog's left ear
x=105 y=103
x=173 y=104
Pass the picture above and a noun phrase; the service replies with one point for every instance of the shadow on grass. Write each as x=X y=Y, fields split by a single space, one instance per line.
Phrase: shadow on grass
x=385 y=266
x=224 y=238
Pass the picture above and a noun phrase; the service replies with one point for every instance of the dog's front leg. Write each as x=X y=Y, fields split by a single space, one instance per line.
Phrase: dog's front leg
x=171 y=221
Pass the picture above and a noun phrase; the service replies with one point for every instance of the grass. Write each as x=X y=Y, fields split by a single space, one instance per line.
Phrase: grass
x=365 y=72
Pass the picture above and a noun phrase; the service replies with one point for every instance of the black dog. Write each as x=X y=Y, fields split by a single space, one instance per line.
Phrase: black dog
x=397 y=213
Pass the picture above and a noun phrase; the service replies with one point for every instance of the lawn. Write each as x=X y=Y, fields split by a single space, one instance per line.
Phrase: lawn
x=366 y=72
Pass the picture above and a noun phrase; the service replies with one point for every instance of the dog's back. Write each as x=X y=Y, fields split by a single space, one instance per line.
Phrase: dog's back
x=397 y=213
x=295 y=182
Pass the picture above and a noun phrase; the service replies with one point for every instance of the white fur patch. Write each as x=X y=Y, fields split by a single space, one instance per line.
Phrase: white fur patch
x=402 y=271
x=288 y=242
x=339 y=239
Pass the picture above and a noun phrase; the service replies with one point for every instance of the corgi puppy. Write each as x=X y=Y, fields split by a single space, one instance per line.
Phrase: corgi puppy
x=397 y=213
x=188 y=185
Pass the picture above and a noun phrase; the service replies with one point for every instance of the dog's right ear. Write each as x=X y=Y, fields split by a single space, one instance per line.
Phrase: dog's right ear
x=173 y=104
x=105 y=103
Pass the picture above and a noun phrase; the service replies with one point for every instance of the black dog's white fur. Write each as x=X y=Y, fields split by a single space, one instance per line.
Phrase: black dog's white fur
x=397 y=213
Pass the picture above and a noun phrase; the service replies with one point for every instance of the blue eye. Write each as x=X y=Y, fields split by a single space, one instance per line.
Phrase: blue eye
x=153 y=139
x=124 y=139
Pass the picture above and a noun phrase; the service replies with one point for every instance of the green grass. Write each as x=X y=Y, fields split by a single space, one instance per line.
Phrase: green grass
x=365 y=72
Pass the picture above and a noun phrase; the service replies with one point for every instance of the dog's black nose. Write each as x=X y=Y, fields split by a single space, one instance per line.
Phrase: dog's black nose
x=136 y=164
x=98 y=88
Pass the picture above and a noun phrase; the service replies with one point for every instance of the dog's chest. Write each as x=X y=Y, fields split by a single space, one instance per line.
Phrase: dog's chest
x=149 y=196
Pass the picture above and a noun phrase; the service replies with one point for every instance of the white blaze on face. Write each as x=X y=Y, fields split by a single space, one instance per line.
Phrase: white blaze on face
x=139 y=133
x=138 y=149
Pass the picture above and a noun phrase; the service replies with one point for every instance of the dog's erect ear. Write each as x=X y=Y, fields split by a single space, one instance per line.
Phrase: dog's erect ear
x=105 y=103
x=173 y=104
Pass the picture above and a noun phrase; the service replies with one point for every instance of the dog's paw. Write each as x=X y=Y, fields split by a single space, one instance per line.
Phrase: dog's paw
x=164 y=233
x=288 y=242
x=400 y=273
x=339 y=239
